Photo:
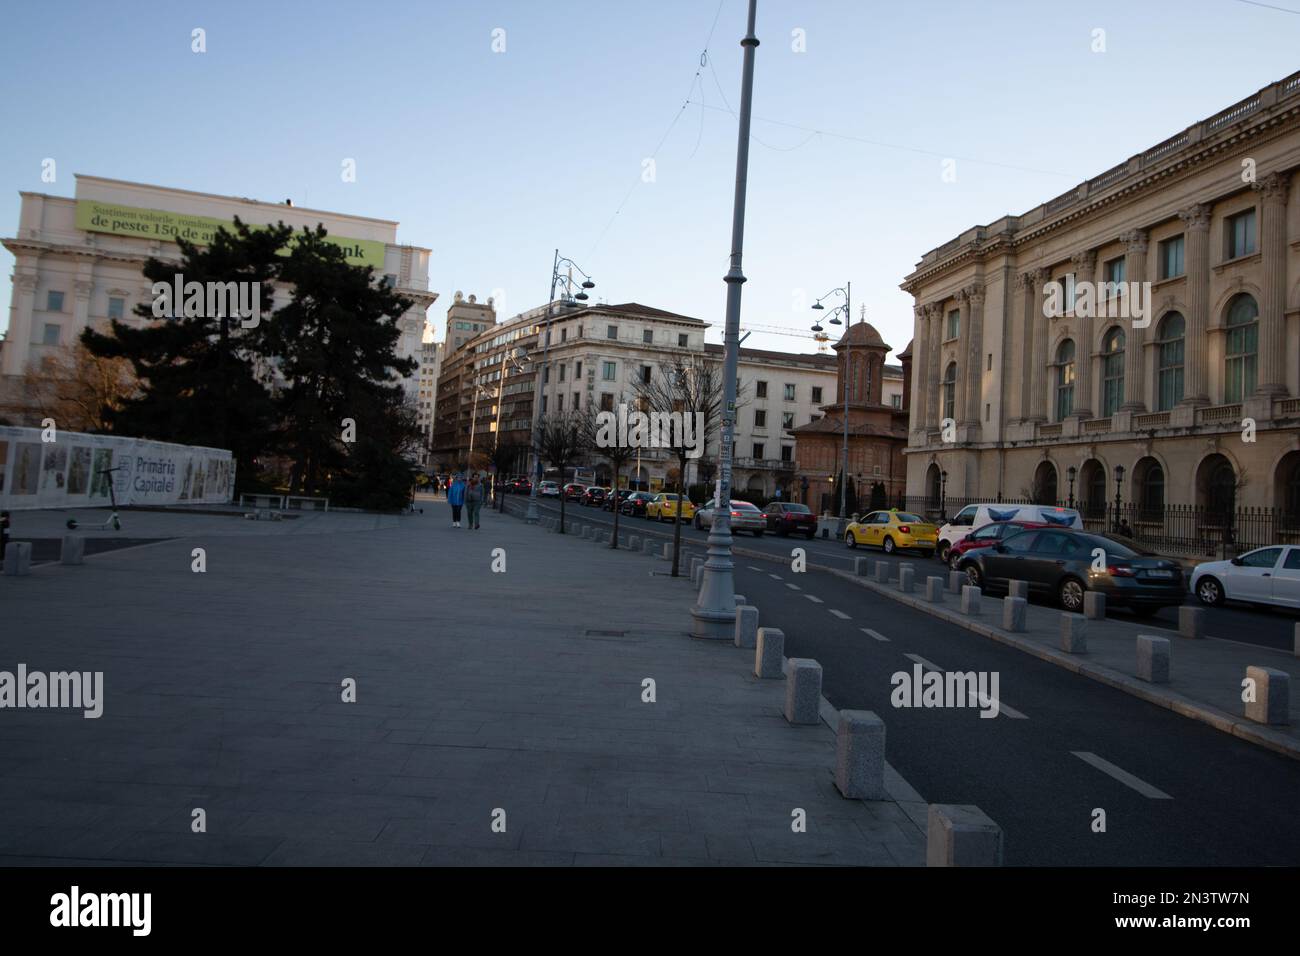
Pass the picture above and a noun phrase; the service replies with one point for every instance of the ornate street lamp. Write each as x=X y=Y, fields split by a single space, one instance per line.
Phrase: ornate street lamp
x=1071 y=473
x=1119 y=480
x=943 y=494
x=848 y=374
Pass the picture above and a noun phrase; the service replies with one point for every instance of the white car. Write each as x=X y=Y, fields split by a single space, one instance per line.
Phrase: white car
x=549 y=489
x=978 y=515
x=1268 y=575
x=744 y=517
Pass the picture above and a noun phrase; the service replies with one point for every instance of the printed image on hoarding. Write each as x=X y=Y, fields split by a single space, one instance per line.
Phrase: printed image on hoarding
x=79 y=471
x=4 y=464
x=56 y=463
x=99 y=479
x=185 y=481
x=27 y=468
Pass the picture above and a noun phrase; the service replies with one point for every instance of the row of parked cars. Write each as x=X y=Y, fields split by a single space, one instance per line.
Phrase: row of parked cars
x=1047 y=547
x=779 y=517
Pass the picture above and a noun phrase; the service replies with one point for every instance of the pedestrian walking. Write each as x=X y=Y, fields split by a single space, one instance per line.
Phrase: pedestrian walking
x=473 y=501
x=456 y=498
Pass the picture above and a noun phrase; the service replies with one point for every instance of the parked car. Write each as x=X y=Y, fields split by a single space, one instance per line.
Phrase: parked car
x=635 y=504
x=786 y=517
x=978 y=515
x=548 y=489
x=892 y=531
x=594 y=496
x=611 y=500
x=1268 y=575
x=1064 y=564
x=990 y=533
x=520 y=486
x=663 y=507
x=744 y=517
x=574 y=491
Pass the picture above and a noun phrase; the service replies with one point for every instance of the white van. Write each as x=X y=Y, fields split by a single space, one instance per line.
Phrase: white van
x=977 y=516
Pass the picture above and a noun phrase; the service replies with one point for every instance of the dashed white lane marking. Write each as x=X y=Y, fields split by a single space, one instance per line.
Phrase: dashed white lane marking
x=752 y=568
x=793 y=587
x=928 y=665
x=875 y=634
x=1123 y=776
x=1003 y=708
x=840 y=614
x=814 y=598
x=774 y=577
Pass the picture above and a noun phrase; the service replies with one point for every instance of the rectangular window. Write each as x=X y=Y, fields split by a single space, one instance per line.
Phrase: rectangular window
x=758 y=450
x=760 y=389
x=789 y=392
x=611 y=331
x=817 y=394
x=53 y=301
x=1241 y=234
x=546 y=374
x=559 y=402
x=954 y=324
x=646 y=372
x=681 y=341
x=1067 y=285
x=787 y=419
x=52 y=330
x=988 y=364
x=1171 y=258
x=564 y=334
x=544 y=397
x=116 y=307
x=787 y=453
x=647 y=336
x=1115 y=270
x=896 y=401
x=608 y=370
x=606 y=402
x=987 y=410
x=562 y=368
x=576 y=401
x=577 y=370
x=760 y=418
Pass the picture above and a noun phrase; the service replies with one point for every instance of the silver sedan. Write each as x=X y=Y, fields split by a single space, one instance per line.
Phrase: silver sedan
x=744 y=517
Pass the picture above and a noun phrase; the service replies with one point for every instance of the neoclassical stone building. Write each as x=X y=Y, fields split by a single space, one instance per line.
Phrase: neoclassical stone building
x=1195 y=397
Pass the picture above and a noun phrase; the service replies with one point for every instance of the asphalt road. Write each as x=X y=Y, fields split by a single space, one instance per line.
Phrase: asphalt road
x=1266 y=627
x=1175 y=792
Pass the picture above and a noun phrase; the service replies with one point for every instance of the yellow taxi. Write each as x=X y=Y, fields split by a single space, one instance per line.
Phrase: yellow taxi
x=892 y=531
x=663 y=507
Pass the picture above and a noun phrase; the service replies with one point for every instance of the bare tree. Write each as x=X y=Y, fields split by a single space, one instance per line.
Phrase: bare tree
x=564 y=438
x=76 y=388
x=613 y=449
x=685 y=386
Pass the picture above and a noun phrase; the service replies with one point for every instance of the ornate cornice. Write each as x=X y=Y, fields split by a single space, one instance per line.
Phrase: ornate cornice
x=1274 y=188
x=1084 y=261
x=1135 y=240
x=1196 y=216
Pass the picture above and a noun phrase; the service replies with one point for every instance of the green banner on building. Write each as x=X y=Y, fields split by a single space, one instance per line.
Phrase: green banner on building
x=158 y=224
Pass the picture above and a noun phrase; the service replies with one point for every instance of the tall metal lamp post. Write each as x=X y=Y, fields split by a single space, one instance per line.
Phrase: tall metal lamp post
x=848 y=375
x=714 y=614
x=1071 y=473
x=562 y=270
x=1119 y=481
x=943 y=495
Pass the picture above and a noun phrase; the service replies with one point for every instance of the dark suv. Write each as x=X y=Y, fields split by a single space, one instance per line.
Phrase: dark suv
x=595 y=495
x=1063 y=564
x=785 y=517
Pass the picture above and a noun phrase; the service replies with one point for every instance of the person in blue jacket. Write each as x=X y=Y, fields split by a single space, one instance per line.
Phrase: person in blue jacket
x=456 y=498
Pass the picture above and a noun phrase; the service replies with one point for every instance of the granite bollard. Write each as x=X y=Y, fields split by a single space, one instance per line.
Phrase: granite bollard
x=956 y=581
x=1191 y=622
x=18 y=558
x=769 y=653
x=860 y=755
x=970 y=600
x=1018 y=589
x=1014 y=611
x=906 y=579
x=740 y=599
x=634 y=542
x=881 y=572
x=1272 y=703
x=1094 y=606
x=73 y=550
x=1074 y=633
x=934 y=589
x=803 y=691
x=962 y=836
x=649 y=546
x=862 y=567
x=746 y=626
x=1153 y=659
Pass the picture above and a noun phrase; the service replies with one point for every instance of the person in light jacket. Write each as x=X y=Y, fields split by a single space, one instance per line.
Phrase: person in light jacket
x=473 y=501
x=456 y=498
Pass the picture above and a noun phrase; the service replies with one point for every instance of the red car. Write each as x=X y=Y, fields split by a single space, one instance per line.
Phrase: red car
x=786 y=517
x=986 y=536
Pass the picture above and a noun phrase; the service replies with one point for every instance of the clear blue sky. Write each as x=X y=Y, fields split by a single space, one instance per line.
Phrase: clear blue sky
x=494 y=159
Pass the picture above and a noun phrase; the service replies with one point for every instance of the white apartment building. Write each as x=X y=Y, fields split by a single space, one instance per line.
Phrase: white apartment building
x=78 y=260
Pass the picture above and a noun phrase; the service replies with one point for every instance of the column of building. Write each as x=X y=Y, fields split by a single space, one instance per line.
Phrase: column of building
x=1135 y=270
x=1196 y=219
x=972 y=330
x=1085 y=264
x=920 y=386
x=1273 y=190
x=934 y=404
x=1037 y=372
x=18 y=340
x=1022 y=353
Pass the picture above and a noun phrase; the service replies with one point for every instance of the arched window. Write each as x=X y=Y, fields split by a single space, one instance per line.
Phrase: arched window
x=1094 y=491
x=1169 y=361
x=1044 y=489
x=1064 y=380
x=1240 y=351
x=950 y=391
x=1112 y=371
x=1151 y=488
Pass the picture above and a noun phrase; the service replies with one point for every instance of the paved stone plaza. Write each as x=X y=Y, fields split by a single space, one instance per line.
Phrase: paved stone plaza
x=476 y=692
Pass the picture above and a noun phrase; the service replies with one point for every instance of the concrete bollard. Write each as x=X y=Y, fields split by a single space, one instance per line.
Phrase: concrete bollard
x=962 y=836
x=587 y=531
x=74 y=549
x=906 y=579
x=18 y=558
x=881 y=572
x=746 y=626
x=860 y=755
x=649 y=546
x=970 y=600
x=769 y=653
x=1014 y=611
x=1191 y=622
x=1094 y=606
x=934 y=589
x=667 y=552
x=740 y=599
x=697 y=569
x=956 y=581
x=634 y=542
x=1018 y=589
x=1296 y=644
x=1074 y=633
x=1153 y=659
x=862 y=567
x=1272 y=703
x=803 y=691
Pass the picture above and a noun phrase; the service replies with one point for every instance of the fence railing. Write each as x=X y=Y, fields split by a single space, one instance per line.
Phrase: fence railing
x=1188 y=530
